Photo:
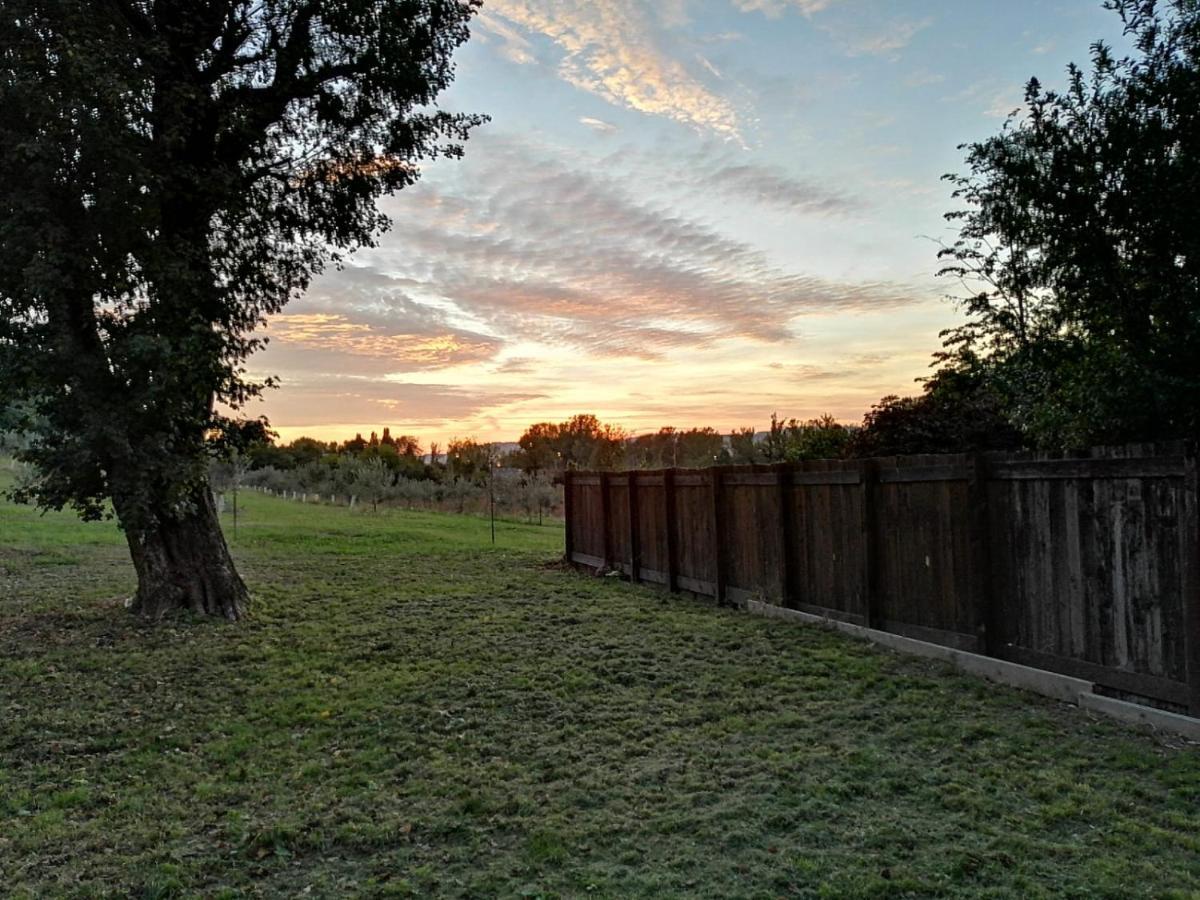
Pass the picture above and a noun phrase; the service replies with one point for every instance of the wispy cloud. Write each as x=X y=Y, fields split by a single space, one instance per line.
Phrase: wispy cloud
x=878 y=41
x=923 y=78
x=617 y=50
x=772 y=186
x=346 y=399
x=598 y=125
x=717 y=168
x=534 y=249
x=994 y=99
x=776 y=8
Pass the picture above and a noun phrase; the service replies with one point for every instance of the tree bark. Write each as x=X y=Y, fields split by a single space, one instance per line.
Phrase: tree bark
x=183 y=564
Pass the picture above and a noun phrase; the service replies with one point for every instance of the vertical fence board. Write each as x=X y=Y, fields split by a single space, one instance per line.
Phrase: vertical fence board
x=716 y=501
x=618 y=522
x=1190 y=557
x=870 y=528
x=569 y=514
x=631 y=505
x=671 y=527
x=786 y=537
x=605 y=522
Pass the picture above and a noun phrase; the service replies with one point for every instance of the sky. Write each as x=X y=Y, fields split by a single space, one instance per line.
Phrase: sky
x=683 y=212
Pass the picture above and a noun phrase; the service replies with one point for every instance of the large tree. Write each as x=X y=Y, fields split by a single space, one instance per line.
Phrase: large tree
x=171 y=173
x=1079 y=243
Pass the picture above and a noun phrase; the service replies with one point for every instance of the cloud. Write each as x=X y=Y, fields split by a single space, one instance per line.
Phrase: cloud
x=598 y=125
x=529 y=248
x=995 y=99
x=618 y=50
x=771 y=186
x=885 y=42
x=344 y=399
x=338 y=333
x=716 y=168
x=773 y=9
x=359 y=320
x=512 y=45
x=923 y=78
x=518 y=365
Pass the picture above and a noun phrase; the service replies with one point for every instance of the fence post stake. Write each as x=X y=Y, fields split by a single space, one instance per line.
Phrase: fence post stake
x=568 y=514
x=717 y=473
x=783 y=476
x=868 y=475
x=635 y=550
x=1190 y=576
x=672 y=540
x=605 y=525
x=987 y=626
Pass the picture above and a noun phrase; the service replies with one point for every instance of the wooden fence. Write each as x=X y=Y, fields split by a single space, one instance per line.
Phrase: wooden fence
x=1088 y=566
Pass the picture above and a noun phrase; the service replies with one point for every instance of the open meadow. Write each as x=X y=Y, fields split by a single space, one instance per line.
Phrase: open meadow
x=410 y=711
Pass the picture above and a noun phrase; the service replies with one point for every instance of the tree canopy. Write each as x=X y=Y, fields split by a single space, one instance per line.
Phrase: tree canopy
x=171 y=173
x=1079 y=247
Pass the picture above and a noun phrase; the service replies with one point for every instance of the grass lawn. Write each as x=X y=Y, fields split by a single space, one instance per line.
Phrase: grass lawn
x=409 y=711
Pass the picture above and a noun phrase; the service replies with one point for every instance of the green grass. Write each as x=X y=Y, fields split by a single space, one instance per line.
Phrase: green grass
x=410 y=712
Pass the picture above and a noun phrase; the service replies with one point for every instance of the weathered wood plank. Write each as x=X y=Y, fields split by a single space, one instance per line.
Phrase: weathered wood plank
x=870 y=543
x=921 y=473
x=1040 y=469
x=605 y=522
x=716 y=475
x=635 y=551
x=832 y=476
x=572 y=526
x=986 y=627
x=787 y=539
x=1189 y=533
x=671 y=524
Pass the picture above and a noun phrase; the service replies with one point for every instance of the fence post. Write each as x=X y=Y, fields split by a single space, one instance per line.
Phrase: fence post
x=605 y=525
x=635 y=550
x=783 y=478
x=568 y=514
x=987 y=626
x=672 y=540
x=868 y=475
x=1189 y=571
x=718 y=473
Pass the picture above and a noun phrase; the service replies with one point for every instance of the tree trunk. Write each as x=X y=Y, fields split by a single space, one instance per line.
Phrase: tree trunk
x=183 y=564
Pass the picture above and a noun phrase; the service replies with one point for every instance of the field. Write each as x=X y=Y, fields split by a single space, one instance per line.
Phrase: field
x=409 y=711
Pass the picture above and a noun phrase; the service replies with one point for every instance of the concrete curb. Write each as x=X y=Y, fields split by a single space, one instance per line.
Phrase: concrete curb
x=1048 y=684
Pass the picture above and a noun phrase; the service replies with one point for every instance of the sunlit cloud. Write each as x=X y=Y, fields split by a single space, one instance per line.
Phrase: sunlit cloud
x=776 y=8
x=345 y=400
x=616 y=50
x=335 y=332
x=536 y=248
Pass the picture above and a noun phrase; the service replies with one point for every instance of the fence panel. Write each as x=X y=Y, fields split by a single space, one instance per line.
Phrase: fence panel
x=923 y=541
x=1088 y=566
x=618 y=524
x=1089 y=556
x=694 y=534
x=652 y=526
x=750 y=517
x=587 y=520
x=828 y=540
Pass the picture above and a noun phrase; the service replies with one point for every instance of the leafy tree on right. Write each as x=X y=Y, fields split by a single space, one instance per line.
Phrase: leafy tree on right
x=1079 y=245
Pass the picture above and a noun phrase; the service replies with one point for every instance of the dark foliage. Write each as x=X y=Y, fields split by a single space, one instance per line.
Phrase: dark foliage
x=958 y=412
x=172 y=172
x=1080 y=247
